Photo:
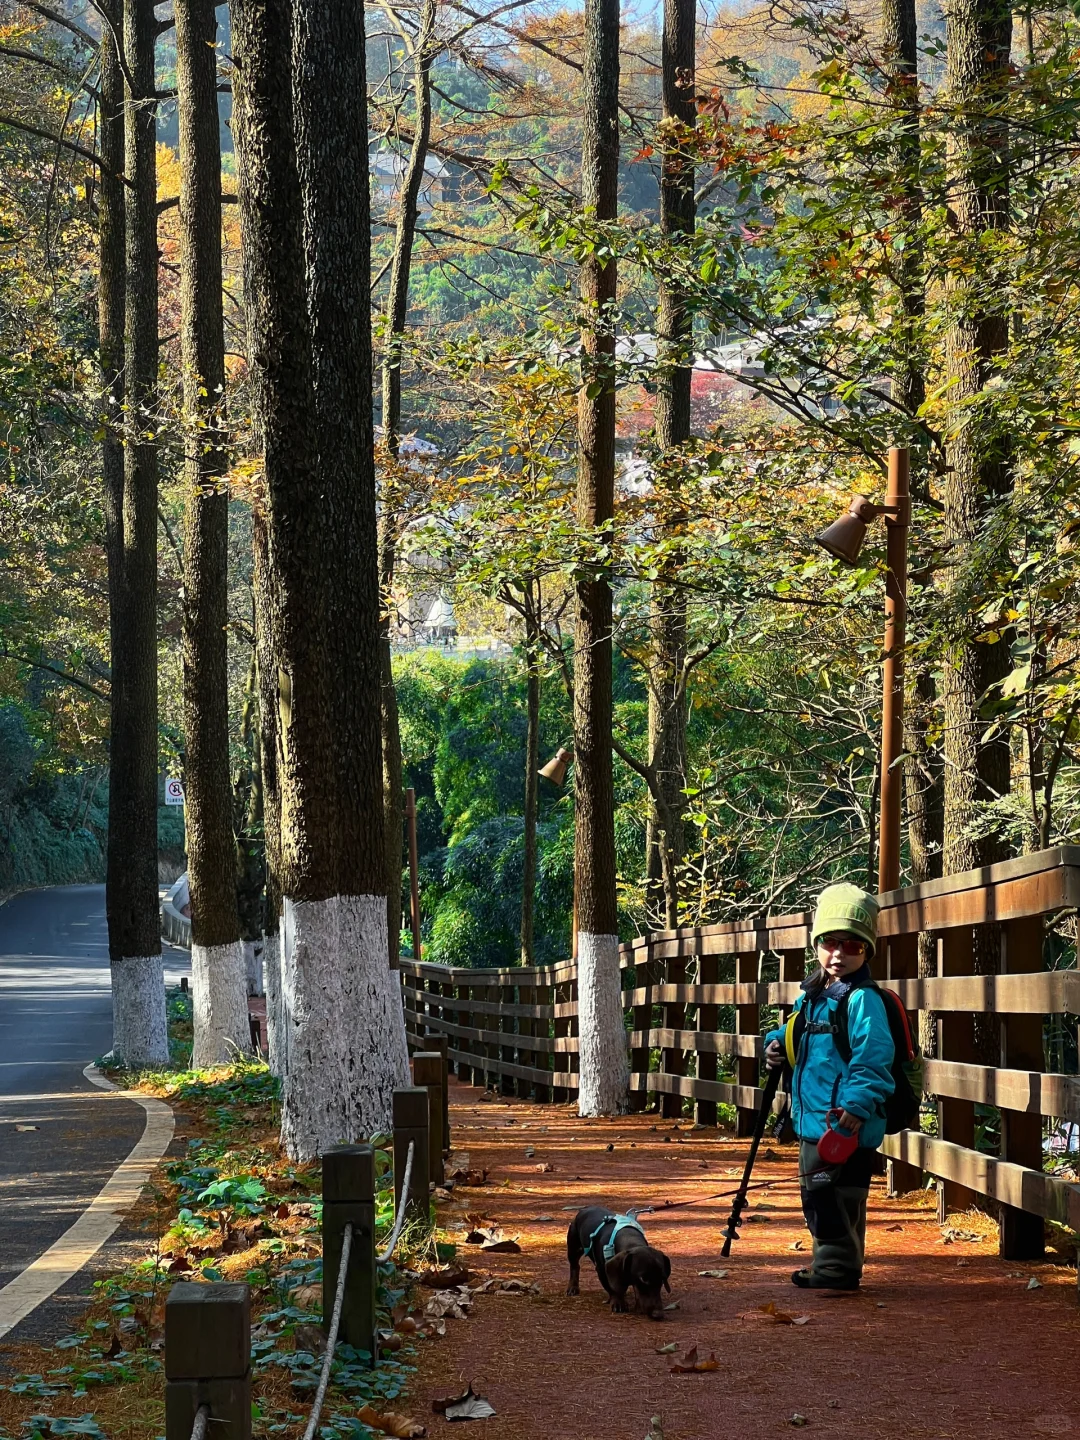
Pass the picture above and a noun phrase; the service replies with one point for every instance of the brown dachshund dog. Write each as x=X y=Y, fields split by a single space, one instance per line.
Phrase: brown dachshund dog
x=633 y=1262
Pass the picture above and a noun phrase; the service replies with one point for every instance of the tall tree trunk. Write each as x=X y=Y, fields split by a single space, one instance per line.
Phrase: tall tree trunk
x=138 y=985
x=667 y=691
x=266 y=664
x=397 y=310
x=532 y=768
x=248 y=830
x=900 y=38
x=603 y=1055
x=978 y=38
x=219 y=982
x=924 y=793
x=304 y=210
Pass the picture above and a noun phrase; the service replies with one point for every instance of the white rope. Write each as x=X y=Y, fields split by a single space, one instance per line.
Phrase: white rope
x=399 y=1218
x=202 y=1423
x=331 y=1339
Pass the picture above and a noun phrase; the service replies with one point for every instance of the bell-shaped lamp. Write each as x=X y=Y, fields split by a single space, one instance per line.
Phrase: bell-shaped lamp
x=555 y=770
x=844 y=537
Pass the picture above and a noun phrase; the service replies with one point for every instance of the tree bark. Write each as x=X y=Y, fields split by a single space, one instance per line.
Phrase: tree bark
x=266 y=664
x=304 y=210
x=978 y=36
x=139 y=1030
x=603 y=1055
x=667 y=690
x=532 y=770
x=397 y=310
x=219 y=981
x=978 y=39
x=900 y=37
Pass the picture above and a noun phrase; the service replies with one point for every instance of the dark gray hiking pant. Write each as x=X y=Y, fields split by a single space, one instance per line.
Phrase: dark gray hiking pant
x=836 y=1214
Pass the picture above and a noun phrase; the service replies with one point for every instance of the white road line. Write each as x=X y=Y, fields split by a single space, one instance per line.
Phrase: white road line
x=79 y=1244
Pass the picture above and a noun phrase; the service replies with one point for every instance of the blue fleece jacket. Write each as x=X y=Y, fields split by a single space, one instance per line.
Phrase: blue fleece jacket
x=823 y=1081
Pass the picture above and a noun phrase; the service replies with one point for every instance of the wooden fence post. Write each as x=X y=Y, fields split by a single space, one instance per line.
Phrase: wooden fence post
x=707 y=1018
x=560 y=994
x=1022 y=1236
x=348 y=1176
x=673 y=1058
x=639 y=1054
x=428 y=1072
x=902 y=963
x=465 y=1071
x=434 y=1041
x=747 y=1022
x=956 y=1041
x=508 y=1025
x=527 y=1027
x=411 y=1124
x=208 y=1359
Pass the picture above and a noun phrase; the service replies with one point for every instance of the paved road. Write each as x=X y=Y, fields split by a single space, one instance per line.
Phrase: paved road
x=55 y=1017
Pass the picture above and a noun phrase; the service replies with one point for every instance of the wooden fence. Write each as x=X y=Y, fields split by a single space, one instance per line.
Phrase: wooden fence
x=697 y=1001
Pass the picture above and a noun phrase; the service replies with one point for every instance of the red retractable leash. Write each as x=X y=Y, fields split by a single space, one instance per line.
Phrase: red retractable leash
x=836 y=1147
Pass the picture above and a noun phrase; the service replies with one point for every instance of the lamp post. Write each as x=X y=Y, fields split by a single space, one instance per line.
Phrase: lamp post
x=555 y=771
x=844 y=539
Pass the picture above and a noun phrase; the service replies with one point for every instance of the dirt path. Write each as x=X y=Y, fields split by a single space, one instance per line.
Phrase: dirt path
x=945 y=1340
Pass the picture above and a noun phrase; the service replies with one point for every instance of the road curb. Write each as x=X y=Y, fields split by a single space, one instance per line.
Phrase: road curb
x=98 y=1222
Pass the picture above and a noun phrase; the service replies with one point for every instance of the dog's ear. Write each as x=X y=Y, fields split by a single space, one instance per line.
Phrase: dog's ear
x=616 y=1269
x=667 y=1274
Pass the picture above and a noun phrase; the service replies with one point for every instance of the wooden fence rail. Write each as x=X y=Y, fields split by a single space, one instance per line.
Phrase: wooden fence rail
x=696 y=1000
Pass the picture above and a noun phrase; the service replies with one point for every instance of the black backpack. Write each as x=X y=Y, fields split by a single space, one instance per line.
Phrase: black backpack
x=902 y=1106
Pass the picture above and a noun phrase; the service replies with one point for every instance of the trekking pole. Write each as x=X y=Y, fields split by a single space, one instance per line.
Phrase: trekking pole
x=738 y=1205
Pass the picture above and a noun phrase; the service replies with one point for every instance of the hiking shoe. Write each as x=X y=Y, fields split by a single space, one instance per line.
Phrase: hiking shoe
x=807 y=1280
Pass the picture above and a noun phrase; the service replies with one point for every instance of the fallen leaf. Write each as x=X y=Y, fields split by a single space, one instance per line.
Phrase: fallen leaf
x=539 y=1219
x=466 y=1406
x=673 y=1306
x=834 y=1404
x=27 y=1127
x=530 y=1151
x=406 y=1325
x=115 y=1346
x=474 y=1178
x=309 y=1338
x=391 y=1424
x=667 y=1349
x=894 y=1227
x=179 y=1265
x=655 y=1429
x=307 y=1295
x=694 y=1364
x=781 y=1317
x=501 y=1247
x=1034 y=1284
x=445 y=1277
x=714 y=1274
x=282 y=1211
x=798 y=1245
x=798 y=1419
x=545 y=1168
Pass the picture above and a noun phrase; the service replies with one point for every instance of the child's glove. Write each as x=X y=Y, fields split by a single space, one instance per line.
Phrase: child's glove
x=774 y=1055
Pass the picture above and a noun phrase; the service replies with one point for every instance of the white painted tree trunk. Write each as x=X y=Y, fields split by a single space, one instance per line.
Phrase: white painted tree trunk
x=603 y=1052
x=219 y=996
x=140 y=1033
x=253 y=965
x=344 y=1023
x=275 y=1019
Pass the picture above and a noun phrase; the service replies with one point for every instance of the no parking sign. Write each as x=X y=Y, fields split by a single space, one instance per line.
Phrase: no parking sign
x=174 y=792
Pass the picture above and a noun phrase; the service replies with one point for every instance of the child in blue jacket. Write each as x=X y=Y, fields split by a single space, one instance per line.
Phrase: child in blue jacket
x=824 y=1088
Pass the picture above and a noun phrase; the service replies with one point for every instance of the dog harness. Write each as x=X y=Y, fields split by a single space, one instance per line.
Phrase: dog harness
x=622 y=1222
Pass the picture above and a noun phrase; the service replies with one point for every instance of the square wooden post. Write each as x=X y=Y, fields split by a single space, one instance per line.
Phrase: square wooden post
x=956 y=1041
x=435 y=1041
x=1021 y=1235
x=707 y=1019
x=560 y=1064
x=428 y=1072
x=673 y=1058
x=901 y=962
x=411 y=1125
x=348 y=1175
x=508 y=1025
x=464 y=1016
x=208 y=1359
x=527 y=1027
x=747 y=1023
x=639 y=1053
